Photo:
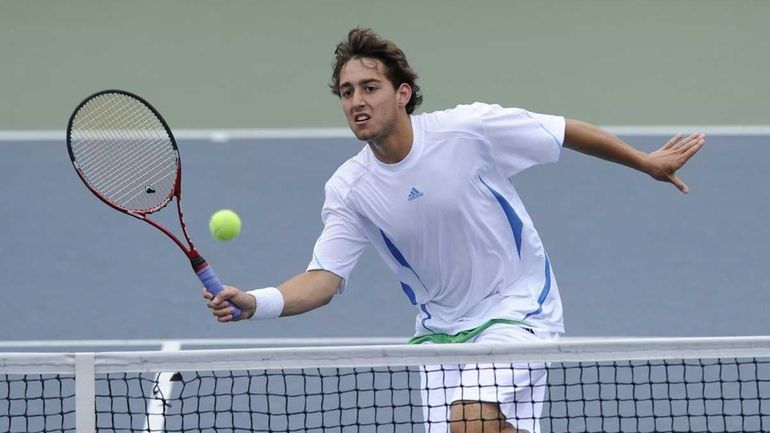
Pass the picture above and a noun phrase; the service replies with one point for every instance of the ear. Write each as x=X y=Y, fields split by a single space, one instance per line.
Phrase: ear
x=403 y=94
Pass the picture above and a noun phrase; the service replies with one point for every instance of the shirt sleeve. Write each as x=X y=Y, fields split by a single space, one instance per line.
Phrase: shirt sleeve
x=342 y=240
x=520 y=139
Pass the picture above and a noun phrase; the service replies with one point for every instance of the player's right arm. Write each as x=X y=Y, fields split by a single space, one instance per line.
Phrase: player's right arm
x=335 y=253
x=301 y=293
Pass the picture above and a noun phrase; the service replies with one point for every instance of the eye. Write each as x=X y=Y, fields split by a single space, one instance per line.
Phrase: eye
x=346 y=93
x=370 y=88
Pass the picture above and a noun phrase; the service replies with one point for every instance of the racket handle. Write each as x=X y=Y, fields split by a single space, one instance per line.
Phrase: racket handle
x=213 y=285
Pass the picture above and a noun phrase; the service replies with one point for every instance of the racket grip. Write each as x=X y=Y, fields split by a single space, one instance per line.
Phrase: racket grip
x=214 y=286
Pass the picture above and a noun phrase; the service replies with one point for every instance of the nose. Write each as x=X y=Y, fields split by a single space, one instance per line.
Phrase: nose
x=358 y=99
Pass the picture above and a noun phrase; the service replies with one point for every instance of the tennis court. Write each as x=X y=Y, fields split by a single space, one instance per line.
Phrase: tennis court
x=632 y=258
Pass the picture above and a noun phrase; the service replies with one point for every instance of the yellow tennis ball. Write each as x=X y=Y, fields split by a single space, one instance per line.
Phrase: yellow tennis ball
x=225 y=224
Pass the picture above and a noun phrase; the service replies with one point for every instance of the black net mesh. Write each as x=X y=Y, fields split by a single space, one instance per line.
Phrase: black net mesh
x=706 y=395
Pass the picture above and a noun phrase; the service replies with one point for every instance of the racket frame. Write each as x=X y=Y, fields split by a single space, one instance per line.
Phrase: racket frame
x=199 y=265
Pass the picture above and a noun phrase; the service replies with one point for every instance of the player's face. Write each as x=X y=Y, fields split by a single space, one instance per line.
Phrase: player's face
x=369 y=100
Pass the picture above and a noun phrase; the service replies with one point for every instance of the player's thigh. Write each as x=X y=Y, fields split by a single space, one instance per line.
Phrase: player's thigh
x=478 y=417
x=439 y=382
x=516 y=389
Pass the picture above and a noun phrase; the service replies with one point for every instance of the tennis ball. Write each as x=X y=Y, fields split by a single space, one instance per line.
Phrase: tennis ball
x=225 y=224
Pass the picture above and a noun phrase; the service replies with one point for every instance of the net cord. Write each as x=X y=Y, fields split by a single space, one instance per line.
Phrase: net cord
x=394 y=355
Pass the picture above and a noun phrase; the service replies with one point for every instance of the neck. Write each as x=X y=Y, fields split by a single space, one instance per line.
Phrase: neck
x=395 y=146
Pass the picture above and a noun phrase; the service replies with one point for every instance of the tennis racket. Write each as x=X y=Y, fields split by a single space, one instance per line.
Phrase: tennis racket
x=125 y=153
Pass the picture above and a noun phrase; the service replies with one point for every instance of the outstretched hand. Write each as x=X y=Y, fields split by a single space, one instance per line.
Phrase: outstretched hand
x=664 y=162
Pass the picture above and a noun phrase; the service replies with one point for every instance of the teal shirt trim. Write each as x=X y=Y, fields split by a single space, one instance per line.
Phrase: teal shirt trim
x=463 y=336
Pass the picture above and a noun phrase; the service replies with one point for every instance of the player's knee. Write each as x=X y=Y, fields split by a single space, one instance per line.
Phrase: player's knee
x=465 y=426
x=482 y=426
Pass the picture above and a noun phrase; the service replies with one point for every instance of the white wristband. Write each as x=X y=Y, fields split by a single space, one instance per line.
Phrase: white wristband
x=269 y=303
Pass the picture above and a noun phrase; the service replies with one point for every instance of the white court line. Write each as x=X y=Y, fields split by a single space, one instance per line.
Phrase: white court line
x=721 y=130
x=223 y=135
x=202 y=342
x=56 y=346
x=216 y=135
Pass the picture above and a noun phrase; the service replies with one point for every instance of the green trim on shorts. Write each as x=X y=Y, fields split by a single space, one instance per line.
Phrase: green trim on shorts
x=463 y=336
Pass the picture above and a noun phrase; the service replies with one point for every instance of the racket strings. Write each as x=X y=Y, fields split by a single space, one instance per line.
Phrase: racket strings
x=124 y=152
x=144 y=136
x=105 y=157
x=120 y=126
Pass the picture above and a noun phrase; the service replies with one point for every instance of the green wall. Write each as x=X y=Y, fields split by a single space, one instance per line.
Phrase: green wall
x=265 y=64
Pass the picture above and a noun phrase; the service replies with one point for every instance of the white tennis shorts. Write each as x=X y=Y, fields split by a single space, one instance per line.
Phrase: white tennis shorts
x=519 y=389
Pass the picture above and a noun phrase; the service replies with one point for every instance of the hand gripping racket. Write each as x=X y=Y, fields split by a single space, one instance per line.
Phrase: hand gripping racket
x=126 y=155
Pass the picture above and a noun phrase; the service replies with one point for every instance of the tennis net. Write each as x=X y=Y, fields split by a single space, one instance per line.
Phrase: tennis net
x=608 y=385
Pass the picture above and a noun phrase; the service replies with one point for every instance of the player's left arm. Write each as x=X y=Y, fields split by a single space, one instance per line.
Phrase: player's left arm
x=661 y=164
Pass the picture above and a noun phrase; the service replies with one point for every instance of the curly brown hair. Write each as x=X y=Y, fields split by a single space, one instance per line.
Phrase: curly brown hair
x=364 y=43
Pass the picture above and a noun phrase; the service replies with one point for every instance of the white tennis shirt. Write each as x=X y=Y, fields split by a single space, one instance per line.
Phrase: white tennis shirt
x=447 y=220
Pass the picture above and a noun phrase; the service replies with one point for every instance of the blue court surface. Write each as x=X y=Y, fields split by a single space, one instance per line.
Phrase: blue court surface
x=632 y=257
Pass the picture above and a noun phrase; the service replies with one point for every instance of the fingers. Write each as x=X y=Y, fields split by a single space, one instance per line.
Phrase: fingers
x=224 y=314
x=219 y=305
x=681 y=143
x=673 y=155
x=670 y=143
x=685 y=150
x=679 y=150
x=694 y=146
x=692 y=140
x=226 y=294
x=678 y=183
x=223 y=311
x=224 y=305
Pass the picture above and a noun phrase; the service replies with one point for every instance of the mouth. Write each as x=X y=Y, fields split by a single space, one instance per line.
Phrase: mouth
x=360 y=119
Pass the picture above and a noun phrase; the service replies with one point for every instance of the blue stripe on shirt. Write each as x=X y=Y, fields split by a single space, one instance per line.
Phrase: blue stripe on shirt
x=513 y=219
x=544 y=292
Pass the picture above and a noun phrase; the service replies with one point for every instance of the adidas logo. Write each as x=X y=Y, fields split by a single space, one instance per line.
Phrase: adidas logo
x=414 y=193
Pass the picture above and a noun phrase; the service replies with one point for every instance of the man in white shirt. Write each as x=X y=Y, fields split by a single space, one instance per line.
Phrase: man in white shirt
x=431 y=193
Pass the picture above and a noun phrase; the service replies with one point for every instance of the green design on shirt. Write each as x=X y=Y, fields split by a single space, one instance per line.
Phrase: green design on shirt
x=463 y=336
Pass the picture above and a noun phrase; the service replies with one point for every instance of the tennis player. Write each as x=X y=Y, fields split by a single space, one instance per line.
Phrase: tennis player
x=431 y=193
